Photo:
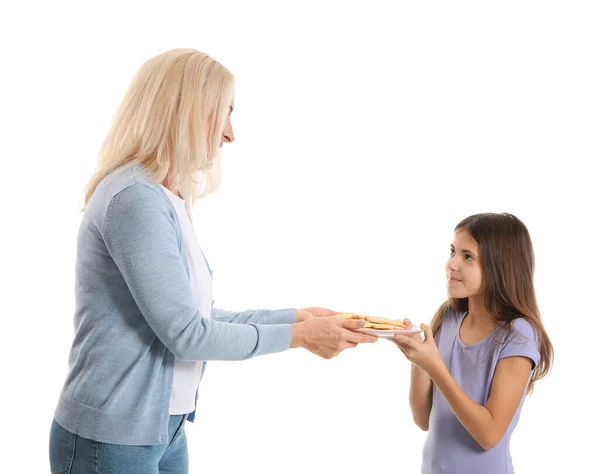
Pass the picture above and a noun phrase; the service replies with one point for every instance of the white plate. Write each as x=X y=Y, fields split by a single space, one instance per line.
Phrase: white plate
x=389 y=333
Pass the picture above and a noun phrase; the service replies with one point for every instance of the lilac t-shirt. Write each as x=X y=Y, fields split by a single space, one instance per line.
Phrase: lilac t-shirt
x=449 y=448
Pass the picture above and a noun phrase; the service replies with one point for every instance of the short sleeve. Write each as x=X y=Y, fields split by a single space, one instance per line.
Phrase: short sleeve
x=521 y=341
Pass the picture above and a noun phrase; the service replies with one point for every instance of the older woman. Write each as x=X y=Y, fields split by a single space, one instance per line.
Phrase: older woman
x=145 y=324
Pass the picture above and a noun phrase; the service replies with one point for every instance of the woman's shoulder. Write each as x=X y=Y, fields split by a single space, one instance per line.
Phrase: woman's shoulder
x=127 y=192
x=128 y=186
x=134 y=179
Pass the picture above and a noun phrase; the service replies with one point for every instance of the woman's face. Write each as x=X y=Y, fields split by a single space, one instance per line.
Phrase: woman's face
x=227 y=135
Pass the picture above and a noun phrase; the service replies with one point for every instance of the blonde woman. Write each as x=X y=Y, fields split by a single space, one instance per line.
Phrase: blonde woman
x=144 y=321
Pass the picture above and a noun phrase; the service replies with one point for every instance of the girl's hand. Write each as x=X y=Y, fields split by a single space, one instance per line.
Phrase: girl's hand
x=416 y=336
x=423 y=353
x=409 y=325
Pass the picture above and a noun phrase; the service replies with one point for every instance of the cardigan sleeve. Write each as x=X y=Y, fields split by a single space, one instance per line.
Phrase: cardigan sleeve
x=141 y=237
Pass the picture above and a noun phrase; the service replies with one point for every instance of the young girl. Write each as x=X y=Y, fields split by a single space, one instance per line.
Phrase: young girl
x=485 y=350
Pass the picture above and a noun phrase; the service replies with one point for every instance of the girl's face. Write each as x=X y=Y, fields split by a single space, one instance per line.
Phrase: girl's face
x=463 y=270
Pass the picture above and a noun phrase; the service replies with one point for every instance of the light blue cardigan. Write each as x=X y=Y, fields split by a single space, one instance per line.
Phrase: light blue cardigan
x=135 y=311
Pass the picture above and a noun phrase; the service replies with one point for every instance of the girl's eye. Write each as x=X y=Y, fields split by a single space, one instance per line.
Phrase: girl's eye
x=452 y=252
x=468 y=257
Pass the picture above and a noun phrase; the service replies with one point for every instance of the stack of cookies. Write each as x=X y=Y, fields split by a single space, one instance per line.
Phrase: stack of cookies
x=374 y=322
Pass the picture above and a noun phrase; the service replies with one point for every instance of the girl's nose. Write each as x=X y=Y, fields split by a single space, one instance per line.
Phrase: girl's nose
x=452 y=264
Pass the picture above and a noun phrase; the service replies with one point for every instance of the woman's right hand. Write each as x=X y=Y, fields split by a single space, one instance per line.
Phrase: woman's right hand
x=327 y=337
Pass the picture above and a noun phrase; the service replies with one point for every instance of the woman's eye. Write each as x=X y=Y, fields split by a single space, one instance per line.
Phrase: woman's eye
x=452 y=252
x=468 y=257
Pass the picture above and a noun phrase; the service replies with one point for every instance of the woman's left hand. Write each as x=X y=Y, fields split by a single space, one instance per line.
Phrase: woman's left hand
x=313 y=312
x=423 y=354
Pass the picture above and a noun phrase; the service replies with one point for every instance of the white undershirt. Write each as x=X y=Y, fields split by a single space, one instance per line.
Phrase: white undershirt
x=187 y=373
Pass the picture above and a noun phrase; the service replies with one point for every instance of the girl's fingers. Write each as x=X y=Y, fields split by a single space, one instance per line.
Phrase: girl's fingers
x=403 y=340
x=428 y=333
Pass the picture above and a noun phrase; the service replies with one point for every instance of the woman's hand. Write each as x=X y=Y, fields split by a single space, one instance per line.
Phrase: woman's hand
x=328 y=336
x=423 y=353
x=313 y=312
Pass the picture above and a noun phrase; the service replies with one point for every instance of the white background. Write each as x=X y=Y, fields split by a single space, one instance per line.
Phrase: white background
x=364 y=135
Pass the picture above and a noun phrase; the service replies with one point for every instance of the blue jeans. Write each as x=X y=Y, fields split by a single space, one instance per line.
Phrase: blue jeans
x=72 y=454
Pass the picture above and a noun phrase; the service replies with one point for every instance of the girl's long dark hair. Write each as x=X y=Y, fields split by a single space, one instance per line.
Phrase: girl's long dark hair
x=507 y=264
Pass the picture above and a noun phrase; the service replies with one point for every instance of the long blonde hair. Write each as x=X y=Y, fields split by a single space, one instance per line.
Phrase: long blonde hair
x=171 y=120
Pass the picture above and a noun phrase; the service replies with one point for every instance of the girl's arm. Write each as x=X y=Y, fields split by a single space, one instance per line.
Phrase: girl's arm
x=487 y=424
x=421 y=388
x=420 y=397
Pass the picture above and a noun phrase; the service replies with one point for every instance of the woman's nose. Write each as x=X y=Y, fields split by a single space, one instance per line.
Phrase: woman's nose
x=228 y=136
